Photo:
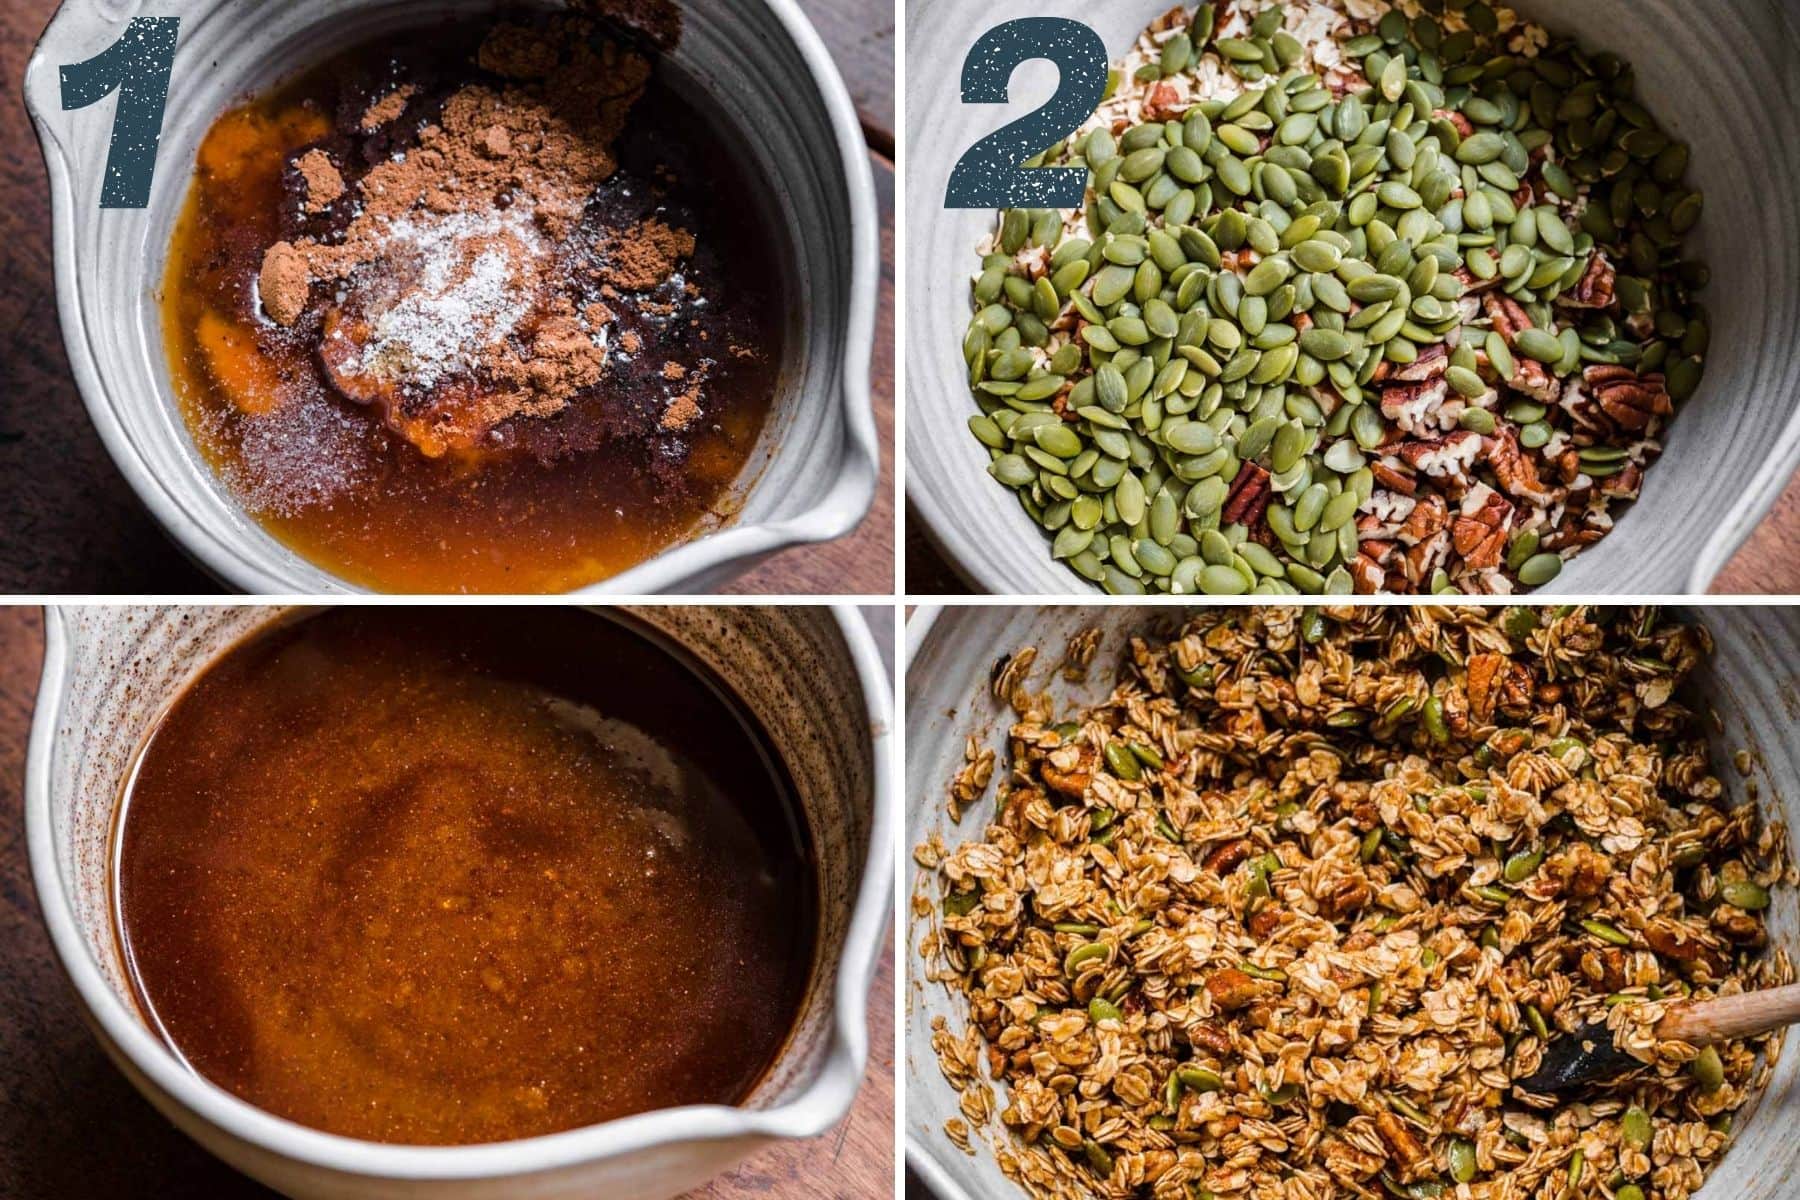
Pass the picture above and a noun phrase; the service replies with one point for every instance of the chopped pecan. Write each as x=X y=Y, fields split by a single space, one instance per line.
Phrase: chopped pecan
x=1625 y=484
x=1673 y=940
x=1534 y=379
x=1367 y=575
x=1068 y=770
x=1248 y=497
x=1225 y=858
x=1740 y=927
x=1265 y=921
x=1496 y=681
x=1630 y=400
x=1231 y=989
x=1392 y=479
x=1423 y=556
x=1343 y=896
x=1401 y=1144
x=1515 y=471
x=1449 y=456
x=1164 y=100
x=1209 y=1036
x=1378 y=549
x=1479 y=534
x=1412 y=406
x=1427 y=517
x=1506 y=314
x=1595 y=287
x=1429 y=364
x=1484 y=669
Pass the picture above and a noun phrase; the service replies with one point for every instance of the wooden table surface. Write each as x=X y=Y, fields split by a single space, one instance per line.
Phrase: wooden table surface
x=70 y=1126
x=69 y=523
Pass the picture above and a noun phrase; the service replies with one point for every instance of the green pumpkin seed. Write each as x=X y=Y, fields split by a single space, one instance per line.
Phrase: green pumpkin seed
x=1708 y=1069
x=1222 y=581
x=1540 y=569
x=1535 y=343
x=1745 y=894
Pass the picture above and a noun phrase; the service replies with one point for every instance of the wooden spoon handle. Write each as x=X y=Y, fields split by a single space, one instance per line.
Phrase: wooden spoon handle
x=1706 y=1021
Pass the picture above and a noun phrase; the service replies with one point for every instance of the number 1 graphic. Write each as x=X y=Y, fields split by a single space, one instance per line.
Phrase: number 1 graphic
x=137 y=67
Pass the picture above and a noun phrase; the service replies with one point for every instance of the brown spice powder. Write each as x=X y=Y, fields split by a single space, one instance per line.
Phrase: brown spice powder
x=388 y=107
x=645 y=256
x=323 y=183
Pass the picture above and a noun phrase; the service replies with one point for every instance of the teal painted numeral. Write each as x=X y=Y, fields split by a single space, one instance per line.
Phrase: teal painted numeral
x=137 y=67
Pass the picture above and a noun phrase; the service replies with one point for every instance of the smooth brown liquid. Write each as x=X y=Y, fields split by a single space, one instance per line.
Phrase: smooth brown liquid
x=450 y=875
x=559 y=502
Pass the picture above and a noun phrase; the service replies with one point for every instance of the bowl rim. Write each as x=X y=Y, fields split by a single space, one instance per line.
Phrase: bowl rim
x=713 y=555
x=818 y=1106
x=921 y=1157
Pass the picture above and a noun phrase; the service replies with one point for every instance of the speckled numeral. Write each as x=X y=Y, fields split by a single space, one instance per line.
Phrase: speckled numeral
x=989 y=174
x=137 y=67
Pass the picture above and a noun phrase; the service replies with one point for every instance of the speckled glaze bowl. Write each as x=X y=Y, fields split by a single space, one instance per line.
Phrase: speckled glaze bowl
x=1724 y=76
x=757 y=65
x=109 y=672
x=1750 y=682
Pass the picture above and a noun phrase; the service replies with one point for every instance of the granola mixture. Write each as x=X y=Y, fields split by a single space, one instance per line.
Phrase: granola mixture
x=1426 y=253
x=1288 y=913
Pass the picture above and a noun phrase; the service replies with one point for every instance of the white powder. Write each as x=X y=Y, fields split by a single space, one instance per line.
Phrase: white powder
x=475 y=284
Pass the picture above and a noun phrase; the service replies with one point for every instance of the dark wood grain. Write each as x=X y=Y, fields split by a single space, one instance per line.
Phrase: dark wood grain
x=70 y=1126
x=69 y=523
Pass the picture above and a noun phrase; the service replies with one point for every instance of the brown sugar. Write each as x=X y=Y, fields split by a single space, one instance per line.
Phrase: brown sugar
x=323 y=183
x=646 y=256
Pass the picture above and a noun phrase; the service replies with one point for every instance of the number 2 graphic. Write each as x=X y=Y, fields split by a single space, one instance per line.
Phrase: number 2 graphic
x=989 y=175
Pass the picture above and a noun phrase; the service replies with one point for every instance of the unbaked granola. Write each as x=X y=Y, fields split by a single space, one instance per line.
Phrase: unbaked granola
x=1289 y=911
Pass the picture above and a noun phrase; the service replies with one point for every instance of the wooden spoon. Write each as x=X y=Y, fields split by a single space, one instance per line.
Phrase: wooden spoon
x=1588 y=1054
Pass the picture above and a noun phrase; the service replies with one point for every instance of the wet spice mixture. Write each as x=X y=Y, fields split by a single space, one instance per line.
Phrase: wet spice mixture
x=1362 y=298
x=441 y=876
x=489 y=316
x=1290 y=911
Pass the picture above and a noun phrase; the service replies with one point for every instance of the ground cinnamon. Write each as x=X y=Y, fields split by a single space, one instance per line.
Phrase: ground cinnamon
x=320 y=176
x=458 y=281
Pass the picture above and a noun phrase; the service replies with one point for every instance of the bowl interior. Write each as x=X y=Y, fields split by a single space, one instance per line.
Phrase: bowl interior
x=1725 y=83
x=735 y=60
x=124 y=665
x=948 y=701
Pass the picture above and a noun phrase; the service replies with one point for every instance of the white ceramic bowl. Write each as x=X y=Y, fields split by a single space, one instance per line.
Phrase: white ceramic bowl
x=1750 y=682
x=757 y=65
x=108 y=672
x=1724 y=75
